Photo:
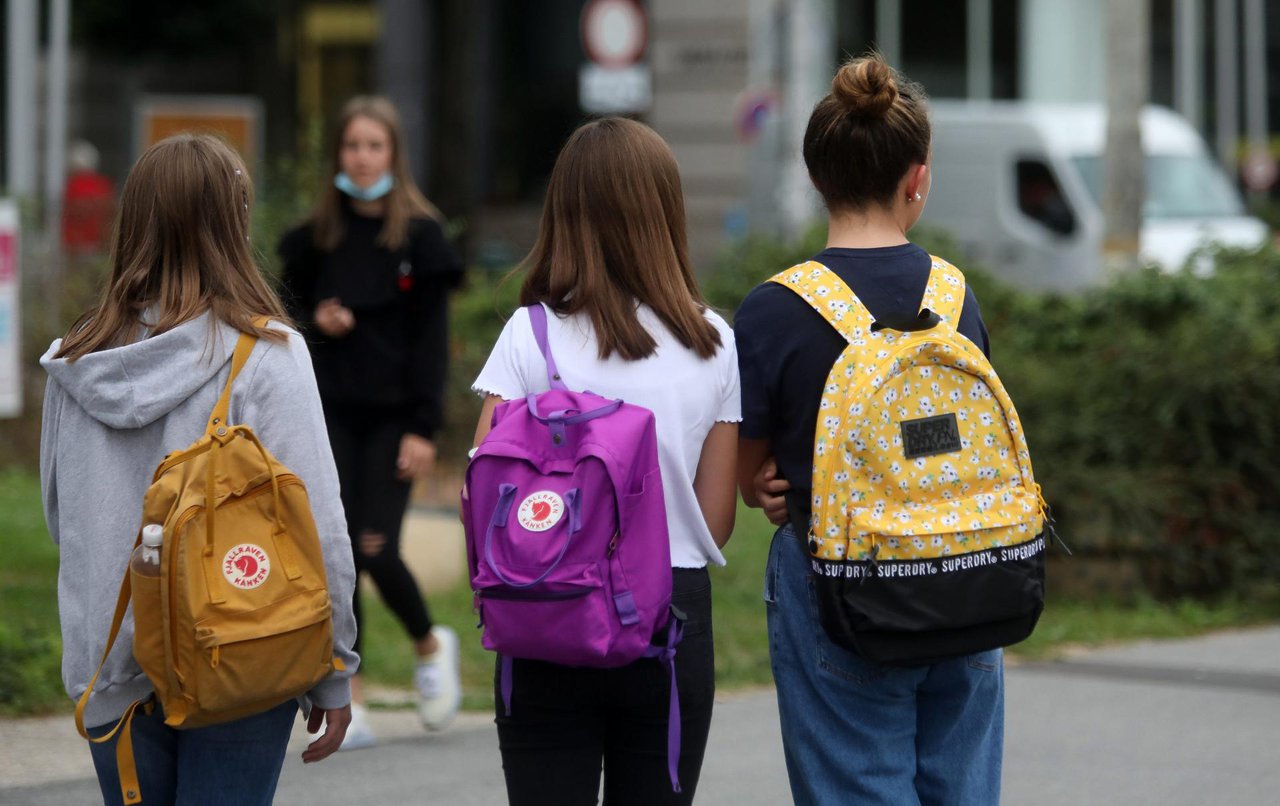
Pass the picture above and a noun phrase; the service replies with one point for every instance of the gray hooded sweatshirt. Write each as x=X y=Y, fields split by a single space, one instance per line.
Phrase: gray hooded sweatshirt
x=109 y=419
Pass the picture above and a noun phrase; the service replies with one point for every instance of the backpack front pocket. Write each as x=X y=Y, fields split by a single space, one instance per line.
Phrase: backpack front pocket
x=273 y=653
x=148 y=627
x=564 y=618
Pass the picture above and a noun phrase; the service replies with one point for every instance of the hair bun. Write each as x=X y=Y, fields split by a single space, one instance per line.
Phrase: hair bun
x=865 y=87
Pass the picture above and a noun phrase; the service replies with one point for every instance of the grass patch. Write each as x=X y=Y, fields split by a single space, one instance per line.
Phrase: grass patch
x=1066 y=625
x=30 y=642
x=742 y=649
x=30 y=648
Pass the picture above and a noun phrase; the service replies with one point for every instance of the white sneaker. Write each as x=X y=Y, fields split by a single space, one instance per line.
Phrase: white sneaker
x=437 y=680
x=359 y=732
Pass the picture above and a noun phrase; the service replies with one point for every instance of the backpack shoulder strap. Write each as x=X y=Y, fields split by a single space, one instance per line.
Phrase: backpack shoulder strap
x=538 y=319
x=830 y=296
x=125 y=764
x=244 y=346
x=944 y=294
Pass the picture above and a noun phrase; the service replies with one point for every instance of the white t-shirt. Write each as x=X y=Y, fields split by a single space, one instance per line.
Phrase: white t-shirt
x=686 y=394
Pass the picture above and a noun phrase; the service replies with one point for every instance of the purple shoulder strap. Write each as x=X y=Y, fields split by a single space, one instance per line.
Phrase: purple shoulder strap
x=538 y=318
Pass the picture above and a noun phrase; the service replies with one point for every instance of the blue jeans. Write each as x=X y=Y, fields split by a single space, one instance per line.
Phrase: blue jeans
x=854 y=731
x=236 y=762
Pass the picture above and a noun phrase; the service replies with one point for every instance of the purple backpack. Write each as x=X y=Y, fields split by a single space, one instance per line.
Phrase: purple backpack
x=566 y=532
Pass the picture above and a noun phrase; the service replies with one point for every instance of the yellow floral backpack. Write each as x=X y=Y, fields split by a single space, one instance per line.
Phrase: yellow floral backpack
x=239 y=619
x=927 y=530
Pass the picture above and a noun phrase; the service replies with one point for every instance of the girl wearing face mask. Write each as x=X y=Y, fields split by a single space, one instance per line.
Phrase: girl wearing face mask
x=367 y=280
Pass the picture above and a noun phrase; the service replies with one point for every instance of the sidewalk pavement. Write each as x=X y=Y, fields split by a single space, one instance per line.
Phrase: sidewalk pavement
x=1176 y=723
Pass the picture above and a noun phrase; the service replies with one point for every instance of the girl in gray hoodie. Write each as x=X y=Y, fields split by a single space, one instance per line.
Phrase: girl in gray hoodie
x=135 y=378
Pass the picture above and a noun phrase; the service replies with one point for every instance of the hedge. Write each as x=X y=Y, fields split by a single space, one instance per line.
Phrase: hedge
x=1152 y=406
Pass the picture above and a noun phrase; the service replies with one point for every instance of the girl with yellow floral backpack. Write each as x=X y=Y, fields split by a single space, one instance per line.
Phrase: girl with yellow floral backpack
x=877 y=436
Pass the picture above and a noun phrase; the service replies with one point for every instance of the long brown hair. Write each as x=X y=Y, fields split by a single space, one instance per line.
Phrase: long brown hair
x=865 y=134
x=181 y=248
x=613 y=233
x=404 y=202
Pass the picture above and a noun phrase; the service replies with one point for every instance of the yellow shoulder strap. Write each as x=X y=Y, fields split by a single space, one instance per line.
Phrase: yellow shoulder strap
x=244 y=346
x=944 y=294
x=129 y=788
x=831 y=297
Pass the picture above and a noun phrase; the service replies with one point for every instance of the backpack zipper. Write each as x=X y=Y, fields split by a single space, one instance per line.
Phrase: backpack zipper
x=530 y=596
x=1050 y=524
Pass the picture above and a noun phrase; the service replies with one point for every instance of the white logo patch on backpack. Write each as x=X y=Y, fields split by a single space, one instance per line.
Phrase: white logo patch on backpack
x=540 y=511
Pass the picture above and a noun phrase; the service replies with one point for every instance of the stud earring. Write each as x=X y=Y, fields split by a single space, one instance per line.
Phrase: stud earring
x=916 y=197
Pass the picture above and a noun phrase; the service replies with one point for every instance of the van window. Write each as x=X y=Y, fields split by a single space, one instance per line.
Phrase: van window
x=1178 y=186
x=1040 y=197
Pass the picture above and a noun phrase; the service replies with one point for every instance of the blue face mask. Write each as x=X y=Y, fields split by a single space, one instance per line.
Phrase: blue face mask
x=372 y=193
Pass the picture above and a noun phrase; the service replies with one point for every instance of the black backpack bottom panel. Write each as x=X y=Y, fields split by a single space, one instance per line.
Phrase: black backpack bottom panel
x=910 y=613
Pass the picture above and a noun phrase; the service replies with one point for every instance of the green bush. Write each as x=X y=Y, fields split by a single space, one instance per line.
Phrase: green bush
x=30 y=671
x=478 y=314
x=1153 y=409
x=1152 y=406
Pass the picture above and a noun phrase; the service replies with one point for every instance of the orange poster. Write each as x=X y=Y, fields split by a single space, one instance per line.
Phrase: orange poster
x=238 y=119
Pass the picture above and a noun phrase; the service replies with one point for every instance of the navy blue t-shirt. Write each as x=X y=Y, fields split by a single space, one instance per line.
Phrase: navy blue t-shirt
x=786 y=349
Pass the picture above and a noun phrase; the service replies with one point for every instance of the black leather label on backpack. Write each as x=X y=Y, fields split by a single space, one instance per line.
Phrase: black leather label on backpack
x=930 y=436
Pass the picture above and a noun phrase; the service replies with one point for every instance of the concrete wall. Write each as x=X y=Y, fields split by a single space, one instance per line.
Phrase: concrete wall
x=699 y=53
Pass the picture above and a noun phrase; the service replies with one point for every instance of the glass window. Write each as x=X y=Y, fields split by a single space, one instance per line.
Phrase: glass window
x=1040 y=197
x=1178 y=186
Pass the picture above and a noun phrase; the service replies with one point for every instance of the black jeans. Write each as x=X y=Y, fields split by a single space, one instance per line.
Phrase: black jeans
x=567 y=722
x=366 y=444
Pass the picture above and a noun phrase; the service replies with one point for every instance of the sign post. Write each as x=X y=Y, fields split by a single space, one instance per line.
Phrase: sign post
x=10 y=313
x=615 y=36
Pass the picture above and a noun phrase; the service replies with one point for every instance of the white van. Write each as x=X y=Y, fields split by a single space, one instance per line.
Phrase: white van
x=1019 y=187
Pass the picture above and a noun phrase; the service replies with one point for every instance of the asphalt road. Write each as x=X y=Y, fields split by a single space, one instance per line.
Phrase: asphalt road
x=1184 y=723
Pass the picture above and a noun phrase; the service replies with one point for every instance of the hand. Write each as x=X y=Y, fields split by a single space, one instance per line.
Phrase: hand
x=333 y=319
x=769 y=489
x=417 y=457
x=335 y=721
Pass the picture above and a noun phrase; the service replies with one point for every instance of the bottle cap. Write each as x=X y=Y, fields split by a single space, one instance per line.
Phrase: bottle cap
x=152 y=535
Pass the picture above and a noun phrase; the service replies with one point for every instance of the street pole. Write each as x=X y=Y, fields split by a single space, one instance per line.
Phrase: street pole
x=809 y=64
x=55 y=154
x=978 y=56
x=1255 y=83
x=766 y=74
x=21 y=21
x=1128 y=43
x=889 y=31
x=1227 y=85
x=1188 y=57
x=403 y=59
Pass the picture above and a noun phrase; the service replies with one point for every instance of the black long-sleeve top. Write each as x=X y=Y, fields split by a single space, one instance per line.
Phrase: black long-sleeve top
x=397 y=355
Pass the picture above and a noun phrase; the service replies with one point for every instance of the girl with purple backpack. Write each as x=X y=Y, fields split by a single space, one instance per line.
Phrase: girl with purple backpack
x=624 y=319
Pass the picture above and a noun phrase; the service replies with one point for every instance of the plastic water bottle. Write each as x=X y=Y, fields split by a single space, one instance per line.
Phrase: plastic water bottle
x=146 y=558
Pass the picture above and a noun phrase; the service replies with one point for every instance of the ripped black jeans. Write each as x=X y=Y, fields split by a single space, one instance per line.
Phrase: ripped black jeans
x=366 y=444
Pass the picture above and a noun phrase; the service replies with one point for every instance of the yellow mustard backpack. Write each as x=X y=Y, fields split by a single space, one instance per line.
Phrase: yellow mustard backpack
x=239 y=619
x=926 y=537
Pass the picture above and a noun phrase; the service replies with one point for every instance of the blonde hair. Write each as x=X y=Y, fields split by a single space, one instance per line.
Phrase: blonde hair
x=613 y=233
x=404 y=202
x=181 y=248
